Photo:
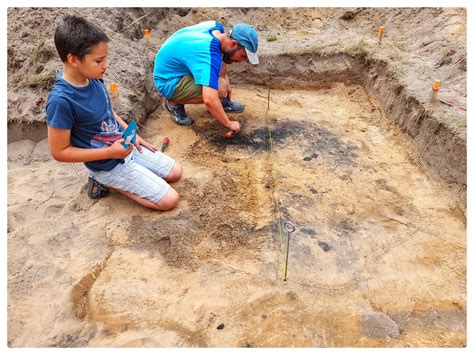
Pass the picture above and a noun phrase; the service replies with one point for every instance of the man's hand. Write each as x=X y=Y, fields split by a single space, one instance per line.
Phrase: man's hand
x=117 y=150
x=214 y=106
x=139 y=142
x=235 y=126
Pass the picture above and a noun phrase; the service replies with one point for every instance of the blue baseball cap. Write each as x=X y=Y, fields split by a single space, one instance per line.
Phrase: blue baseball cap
x=247 y=37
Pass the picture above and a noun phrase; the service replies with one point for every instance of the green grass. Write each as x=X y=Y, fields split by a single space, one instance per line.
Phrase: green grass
x=359 y=47
x=322 y=50
x=45 y=80
x=35 y=53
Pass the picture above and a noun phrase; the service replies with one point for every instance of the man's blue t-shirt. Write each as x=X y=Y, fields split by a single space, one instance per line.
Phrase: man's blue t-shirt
x=192 y=50
x=87 y=112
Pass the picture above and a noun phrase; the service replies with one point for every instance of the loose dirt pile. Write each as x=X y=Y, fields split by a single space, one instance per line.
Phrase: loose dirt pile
x=378 y=257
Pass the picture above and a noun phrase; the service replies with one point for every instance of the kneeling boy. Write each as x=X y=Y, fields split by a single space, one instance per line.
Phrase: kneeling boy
x=82 y=127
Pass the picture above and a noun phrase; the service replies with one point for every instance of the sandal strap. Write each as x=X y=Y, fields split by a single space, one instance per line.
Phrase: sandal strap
x=95 y=189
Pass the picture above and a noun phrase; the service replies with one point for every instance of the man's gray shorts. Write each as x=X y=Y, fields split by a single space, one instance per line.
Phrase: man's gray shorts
x=141 y=174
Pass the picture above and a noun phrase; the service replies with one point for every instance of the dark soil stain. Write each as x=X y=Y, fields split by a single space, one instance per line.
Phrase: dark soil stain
x=345 y=228
x=325 y=246
x=308 y=231
x=312 y=140
x=312 y=156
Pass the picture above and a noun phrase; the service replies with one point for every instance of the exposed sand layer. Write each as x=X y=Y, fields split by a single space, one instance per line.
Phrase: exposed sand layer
x=378 y=257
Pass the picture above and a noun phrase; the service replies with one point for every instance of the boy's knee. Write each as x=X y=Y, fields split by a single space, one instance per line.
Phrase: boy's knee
x=175 y=173
x=169 y=201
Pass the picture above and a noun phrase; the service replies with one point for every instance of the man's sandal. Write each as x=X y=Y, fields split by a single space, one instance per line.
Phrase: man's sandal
x=95 y=189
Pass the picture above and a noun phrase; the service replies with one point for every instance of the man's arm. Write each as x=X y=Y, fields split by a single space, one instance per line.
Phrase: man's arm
x=223 y=73
x=60 y=145
x=213 y=104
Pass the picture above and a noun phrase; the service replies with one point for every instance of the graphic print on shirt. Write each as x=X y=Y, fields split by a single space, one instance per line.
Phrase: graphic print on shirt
x=110 y=130
x=109 y=134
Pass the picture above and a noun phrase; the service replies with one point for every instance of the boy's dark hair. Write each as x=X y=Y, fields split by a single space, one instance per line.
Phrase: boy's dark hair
x=75 y=35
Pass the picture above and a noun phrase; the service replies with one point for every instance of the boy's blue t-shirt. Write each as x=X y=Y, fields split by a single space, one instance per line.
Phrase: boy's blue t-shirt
x=87 y=112
x=192 y=50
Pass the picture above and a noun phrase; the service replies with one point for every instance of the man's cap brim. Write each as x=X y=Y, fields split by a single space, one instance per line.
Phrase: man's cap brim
x=252 y=57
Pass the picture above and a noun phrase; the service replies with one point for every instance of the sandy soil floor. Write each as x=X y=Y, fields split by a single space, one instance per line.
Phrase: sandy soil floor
x=378 y=257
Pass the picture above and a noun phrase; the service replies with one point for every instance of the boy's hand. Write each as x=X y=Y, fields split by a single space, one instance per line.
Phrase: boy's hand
x=117 y=150
x=139 y=141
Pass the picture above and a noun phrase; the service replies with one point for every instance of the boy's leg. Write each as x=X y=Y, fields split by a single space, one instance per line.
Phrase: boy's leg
x=159 y=163
x=168 y=202
x=141 y=184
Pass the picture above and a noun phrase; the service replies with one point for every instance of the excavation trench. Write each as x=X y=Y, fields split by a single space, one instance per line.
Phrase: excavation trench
x=380 y=234
x=374 y=223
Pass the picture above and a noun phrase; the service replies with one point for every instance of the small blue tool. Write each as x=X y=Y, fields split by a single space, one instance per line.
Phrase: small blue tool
x=130 y=134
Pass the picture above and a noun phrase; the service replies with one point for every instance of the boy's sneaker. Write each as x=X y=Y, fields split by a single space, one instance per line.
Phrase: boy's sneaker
x=178 y=114
x=230 y=106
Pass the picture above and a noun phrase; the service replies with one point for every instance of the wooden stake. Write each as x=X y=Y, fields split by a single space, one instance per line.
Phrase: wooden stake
x=381 y=32
x=113 y=87
x=146 y=33
x=434 y=93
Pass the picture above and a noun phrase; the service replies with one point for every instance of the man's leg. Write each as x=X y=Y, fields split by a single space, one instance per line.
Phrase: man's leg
x=223 y=88
x=186 y=92
x=193 y=100
x=222 y=92
x=227 y=104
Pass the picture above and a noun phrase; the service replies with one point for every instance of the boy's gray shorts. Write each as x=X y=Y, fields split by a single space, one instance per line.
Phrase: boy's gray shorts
x=141 y=174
